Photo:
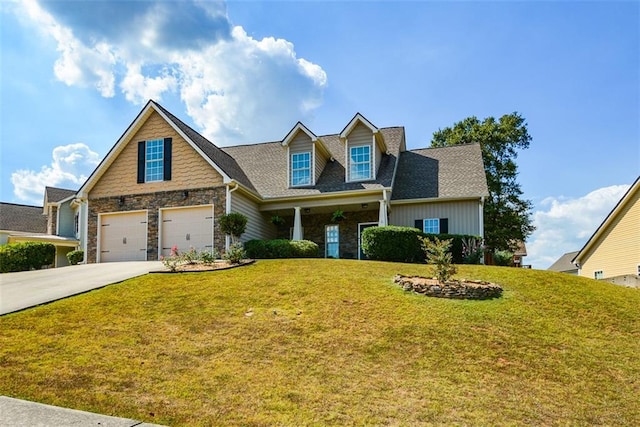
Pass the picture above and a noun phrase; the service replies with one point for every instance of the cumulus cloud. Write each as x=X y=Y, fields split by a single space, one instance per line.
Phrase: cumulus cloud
x=565 y=224
x=70 y=166
x=234 y=87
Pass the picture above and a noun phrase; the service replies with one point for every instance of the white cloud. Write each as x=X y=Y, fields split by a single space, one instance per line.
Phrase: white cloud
x=564 y=225
x=234 y=87
x=70 y=167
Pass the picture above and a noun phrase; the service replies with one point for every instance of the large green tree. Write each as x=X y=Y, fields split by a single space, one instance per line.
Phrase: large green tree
x=507 y=215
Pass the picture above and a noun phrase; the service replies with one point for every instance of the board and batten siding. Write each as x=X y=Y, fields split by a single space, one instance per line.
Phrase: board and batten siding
x=617 y=251
x=189 y=169
x=258 y=224
x=464 y=216
x=362 y=135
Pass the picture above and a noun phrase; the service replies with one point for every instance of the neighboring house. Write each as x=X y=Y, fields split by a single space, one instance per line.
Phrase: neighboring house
x=163 y=185
x=519 y=254
x=613 y=251
x=54 y=223
x=564 y=264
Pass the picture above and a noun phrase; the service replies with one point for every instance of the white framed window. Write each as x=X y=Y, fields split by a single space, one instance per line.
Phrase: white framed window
x=154 y=160
x=332 y=241
x=360 y=163
x=431 y=225
x=300 y=169
x=598 y=275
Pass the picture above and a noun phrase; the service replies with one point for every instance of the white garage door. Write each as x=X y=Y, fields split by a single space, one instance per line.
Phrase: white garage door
x=186 y=228
x=123 y=236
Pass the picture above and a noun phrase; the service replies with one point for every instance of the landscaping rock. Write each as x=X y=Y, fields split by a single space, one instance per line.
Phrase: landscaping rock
x=455 y=289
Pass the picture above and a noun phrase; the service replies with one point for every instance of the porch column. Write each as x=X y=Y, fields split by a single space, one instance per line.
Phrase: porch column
x=297 y=225
x=382 y=216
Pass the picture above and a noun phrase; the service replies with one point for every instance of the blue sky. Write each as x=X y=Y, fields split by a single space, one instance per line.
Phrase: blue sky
x=243 y=72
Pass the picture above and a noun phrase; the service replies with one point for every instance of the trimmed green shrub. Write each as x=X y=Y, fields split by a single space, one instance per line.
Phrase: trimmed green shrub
x=74 y=257
x=392 y=243
x=281 y=248
x=26 y=256
x=404 y=244
x=233 y=224
x=503 y=258
x=303 y=249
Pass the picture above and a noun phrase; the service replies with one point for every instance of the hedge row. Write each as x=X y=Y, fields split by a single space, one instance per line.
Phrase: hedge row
x=281 y=248
x=26 y=256
x=403 y=244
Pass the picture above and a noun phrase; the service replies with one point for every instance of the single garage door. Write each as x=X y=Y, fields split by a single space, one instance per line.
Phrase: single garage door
x=186 y=228
x=123 y=236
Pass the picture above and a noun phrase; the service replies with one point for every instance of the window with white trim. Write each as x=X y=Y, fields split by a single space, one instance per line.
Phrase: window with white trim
x=598 y=275
x=332 y=241
x=300 y=169
x=431 y=226
x=360 y=163
x=154 y=160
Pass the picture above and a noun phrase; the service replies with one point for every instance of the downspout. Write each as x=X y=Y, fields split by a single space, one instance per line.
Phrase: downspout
x=227 y=239
x=481 y=223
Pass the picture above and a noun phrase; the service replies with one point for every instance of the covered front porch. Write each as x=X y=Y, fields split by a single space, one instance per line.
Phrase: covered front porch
x=319 y=221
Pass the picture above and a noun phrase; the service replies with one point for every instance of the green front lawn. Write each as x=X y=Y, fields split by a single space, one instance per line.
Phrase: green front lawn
x=332 y=342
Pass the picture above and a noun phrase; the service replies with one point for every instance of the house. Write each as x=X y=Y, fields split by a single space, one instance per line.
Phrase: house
x=163 y=184
x=518 y=255
x=564 y=264
x=613 y=251
x=56 y=222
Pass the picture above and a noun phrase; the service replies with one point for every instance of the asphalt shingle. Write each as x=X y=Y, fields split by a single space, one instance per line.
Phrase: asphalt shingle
x=29 y=219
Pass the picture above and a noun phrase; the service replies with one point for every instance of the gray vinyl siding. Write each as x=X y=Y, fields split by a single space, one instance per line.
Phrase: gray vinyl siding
x=258 y=224
x=320 y=163
x=464 y=216
x=66 y=224
x=378 y=158
x=360 y=135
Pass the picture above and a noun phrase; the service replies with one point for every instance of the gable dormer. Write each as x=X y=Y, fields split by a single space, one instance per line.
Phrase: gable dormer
x=306 y=156
x=364 y=147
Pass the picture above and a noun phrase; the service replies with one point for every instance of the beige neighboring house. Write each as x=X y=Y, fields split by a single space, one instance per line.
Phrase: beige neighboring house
x=564 y=264
x=55 y=222
x=163 y=185
x=613 y=251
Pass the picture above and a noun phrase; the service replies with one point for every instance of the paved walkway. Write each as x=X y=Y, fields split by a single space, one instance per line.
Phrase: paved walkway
x=30 y=288
x=18 y=413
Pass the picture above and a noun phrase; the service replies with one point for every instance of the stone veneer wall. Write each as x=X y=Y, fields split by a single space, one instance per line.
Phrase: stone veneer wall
x=314 y=230
x=152 y=202
x=52 y=220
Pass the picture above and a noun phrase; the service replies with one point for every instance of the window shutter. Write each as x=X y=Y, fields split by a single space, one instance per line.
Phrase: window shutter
x=141 y=158
x=419 y=224
x=444 y=225
x=167 y=159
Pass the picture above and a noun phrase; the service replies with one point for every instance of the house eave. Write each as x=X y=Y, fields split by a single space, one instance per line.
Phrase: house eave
x=435 y=200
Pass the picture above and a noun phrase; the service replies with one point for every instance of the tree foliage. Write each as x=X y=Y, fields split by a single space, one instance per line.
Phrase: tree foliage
x=233 y=224
x=507 y=216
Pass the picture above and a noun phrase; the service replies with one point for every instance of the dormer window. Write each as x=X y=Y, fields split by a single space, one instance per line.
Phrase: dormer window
x=360 y=163
x=364 y=148
x=300 y=169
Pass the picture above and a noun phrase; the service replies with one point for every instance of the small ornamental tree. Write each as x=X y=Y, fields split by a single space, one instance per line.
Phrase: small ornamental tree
x=438 y=255
x=233 y=224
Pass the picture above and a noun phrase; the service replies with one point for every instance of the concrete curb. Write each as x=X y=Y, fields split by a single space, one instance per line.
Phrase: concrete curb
x=18 y=413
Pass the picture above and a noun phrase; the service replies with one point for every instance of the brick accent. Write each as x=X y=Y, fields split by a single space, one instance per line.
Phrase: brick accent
x=314 y=229
x=152 y=202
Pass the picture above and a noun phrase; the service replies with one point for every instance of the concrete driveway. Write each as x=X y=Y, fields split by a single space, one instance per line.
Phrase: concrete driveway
x=30 y=288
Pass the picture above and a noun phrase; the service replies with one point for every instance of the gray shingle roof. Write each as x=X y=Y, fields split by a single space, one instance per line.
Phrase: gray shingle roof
x=266 y=167
x=227 y=163
x=447 y=172
x=53 y=194
x=564 y=264
x=14 y=217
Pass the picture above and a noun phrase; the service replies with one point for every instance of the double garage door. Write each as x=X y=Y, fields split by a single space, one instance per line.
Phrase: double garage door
x=124 y=235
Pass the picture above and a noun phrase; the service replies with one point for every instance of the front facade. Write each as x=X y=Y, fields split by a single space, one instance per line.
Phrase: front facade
x=56 y=222
x=613 y=251
x=163 y=185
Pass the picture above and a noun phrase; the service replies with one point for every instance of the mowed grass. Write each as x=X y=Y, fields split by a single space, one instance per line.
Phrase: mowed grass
x=333 y=342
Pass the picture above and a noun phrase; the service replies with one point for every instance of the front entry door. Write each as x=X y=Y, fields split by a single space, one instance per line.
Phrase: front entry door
x=361 y=227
